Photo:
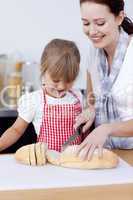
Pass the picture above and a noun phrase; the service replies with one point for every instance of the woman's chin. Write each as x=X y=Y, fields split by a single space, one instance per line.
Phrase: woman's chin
x=99 y=45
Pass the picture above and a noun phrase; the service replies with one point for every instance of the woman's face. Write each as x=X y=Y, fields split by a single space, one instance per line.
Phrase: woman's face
x=55 y=88
x=99 y=24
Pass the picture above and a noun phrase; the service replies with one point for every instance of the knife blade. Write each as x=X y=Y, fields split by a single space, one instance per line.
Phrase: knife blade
x=77 y=133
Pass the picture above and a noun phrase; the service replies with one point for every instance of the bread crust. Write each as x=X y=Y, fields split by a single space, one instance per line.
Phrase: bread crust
x=38 y=154
x=43 y=152
x=32 y=154
x=68 y=159
x=22 y=155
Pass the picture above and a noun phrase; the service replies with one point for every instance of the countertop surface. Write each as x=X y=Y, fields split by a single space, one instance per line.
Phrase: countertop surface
x=100 y=192
x=51 y=177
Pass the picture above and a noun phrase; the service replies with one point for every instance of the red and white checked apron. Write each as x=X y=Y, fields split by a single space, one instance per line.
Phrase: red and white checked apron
x=57 y=123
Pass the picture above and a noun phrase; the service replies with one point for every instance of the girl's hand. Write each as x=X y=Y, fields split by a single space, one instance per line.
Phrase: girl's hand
x=86 y=117
x=95 y=139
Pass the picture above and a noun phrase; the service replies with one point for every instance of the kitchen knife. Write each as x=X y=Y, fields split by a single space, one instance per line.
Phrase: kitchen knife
x=73 y=137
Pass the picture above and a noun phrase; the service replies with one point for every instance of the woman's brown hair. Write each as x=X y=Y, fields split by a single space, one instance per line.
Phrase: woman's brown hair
x=61 y=59
x=115 y=7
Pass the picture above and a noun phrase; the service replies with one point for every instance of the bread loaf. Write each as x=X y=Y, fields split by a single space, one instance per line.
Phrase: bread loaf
x=33 y=154
x=68 y=159
x=37 y=154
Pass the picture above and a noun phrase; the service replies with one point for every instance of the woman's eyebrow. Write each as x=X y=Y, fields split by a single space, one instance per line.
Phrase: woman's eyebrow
x=84 y=19
x=97 y=19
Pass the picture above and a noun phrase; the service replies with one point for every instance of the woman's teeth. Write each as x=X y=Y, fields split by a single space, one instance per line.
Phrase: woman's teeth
x=96 y=39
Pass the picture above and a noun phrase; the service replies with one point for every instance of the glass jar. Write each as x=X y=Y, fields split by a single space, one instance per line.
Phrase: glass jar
x=3 y=64
x=14 y=85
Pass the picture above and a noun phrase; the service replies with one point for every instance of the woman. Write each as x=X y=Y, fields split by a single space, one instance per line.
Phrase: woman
x=111 y=71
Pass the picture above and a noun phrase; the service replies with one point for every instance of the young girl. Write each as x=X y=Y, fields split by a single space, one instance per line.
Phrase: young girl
x=54 y=107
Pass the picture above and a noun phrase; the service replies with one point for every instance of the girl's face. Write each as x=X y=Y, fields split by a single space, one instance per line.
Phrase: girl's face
x=100 y=25
x=55 y=88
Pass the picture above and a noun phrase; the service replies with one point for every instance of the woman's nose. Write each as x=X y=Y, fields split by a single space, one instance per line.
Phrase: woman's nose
x=92 y=30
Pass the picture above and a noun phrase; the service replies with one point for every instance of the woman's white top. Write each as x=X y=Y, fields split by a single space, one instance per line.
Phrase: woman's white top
x=122 y=90
x=31 y=105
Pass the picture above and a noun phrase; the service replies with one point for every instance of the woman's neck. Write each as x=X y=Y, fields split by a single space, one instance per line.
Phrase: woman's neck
x=110 y=50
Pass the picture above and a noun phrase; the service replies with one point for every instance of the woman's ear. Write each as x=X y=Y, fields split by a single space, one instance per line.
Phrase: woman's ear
x=120 y=17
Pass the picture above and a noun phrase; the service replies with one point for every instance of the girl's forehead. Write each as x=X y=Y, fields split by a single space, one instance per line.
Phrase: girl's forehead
x=49 y=76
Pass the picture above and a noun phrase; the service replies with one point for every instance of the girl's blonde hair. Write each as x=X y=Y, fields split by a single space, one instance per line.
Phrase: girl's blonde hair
x=61 y=59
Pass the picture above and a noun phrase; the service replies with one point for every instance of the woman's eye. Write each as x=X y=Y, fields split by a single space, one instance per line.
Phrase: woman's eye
x=86 y=24
x=100 y=23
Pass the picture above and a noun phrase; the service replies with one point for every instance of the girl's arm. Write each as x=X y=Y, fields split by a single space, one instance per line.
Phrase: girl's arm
x=12 y=134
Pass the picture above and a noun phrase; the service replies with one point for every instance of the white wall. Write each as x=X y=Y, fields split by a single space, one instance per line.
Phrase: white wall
x=129 y=8
x=27 y=26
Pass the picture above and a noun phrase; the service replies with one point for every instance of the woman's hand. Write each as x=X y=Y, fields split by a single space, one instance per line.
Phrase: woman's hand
x=86 y=117
x=95 y=139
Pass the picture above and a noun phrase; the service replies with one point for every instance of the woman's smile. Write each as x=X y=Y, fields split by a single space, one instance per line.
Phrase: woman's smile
x=96 y=39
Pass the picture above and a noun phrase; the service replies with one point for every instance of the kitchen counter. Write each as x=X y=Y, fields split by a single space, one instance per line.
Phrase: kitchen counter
x=110 y=192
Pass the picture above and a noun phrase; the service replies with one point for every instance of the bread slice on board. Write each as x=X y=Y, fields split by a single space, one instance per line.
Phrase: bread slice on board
x=40 y=153
x=32 y=154
x=43 y=152
x=22 y=155
x=32 y=157
x=68 y=159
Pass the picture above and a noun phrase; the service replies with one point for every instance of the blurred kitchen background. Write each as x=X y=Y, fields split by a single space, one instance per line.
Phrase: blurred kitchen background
x=26 y=26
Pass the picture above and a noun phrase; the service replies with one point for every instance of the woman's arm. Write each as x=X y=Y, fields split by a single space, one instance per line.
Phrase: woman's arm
x=98 y=136
x=12 y=134
x=121 y=129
